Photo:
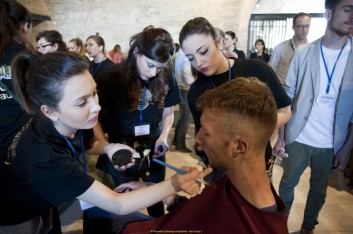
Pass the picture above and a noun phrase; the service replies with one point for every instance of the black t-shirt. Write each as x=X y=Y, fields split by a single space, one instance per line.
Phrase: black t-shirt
x=241 y=68
x=96 y=68
x=118 y=119
x=43 y=172
x=240 y=53
x=265 y=57
x=12 y=116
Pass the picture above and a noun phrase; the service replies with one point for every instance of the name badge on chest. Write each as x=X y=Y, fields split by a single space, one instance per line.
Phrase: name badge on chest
x=326 y=99
x=142 y=129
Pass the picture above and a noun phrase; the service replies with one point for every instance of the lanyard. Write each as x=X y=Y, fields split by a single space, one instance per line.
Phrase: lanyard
x=229 y=75
x=83 y=162
x=141 y=104
x=93 y=72
x=329 y=76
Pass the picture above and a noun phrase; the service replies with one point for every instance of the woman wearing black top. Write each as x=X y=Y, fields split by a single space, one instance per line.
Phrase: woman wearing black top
x=15 y=33
x=44 y=165
x=203 y=49
x=260 y=53
x=138 y=97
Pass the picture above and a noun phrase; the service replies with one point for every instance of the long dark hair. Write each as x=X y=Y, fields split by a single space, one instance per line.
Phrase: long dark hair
x=39 y=80
x=156 y=44
x=199 y=26
x=12 y=15
x=262 y=43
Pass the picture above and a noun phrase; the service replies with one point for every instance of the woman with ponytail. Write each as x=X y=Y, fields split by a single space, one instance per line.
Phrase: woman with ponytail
x=45 y=163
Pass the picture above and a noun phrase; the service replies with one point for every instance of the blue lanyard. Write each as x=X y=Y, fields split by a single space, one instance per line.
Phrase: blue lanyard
x=329 y=76
x=83 y=163
x=141 y=104
x=93 y=72
x=229 y=75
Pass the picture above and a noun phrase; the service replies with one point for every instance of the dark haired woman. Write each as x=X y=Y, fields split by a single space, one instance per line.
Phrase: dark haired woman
x=15 y=33
x=50 y=41
x=44 y=165
x=203 y=49
x=260 y=53
x=137 y=98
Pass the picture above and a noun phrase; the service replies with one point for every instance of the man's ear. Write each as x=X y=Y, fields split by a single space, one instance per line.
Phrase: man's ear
x=328 y=14
x=240 y=147
x=50 y=113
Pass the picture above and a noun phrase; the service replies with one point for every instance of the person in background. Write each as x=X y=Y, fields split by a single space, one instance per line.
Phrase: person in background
x=283 y=52
x=348 y=173
x=221 y=36
x=320 y=133
x=238 y=118
x=44 y=165
x=260 y=51
x=50 y=41
x=281 y=57
x=184 y=78
x=115 y=54
x=203 y=49
x=76 y=45
x=95 y=48
x=138 y=97
x=15 y=34
x=230 y=42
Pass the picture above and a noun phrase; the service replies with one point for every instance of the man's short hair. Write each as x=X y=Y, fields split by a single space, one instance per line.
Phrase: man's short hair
x=331 y=4
x=249 y=106
x=300 y=14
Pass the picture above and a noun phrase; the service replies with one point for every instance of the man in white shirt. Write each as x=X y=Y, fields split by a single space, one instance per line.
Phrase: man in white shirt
x=320 y=132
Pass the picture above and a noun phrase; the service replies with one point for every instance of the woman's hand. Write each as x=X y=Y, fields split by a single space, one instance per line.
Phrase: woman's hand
x=187 y=182
x=161 y=147
x=111 y=148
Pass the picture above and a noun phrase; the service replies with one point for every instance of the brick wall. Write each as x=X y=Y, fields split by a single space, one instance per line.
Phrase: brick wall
x=117 y=20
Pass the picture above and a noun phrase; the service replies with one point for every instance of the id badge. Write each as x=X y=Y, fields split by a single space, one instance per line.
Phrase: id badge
x=142 y=129
x=85 y=205
x=326 y=99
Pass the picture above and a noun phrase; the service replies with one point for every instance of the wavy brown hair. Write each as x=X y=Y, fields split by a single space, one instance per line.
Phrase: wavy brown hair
x=156 y=44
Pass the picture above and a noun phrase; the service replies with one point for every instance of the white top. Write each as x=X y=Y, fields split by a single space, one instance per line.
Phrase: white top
x=182 y=69
x=318 y=132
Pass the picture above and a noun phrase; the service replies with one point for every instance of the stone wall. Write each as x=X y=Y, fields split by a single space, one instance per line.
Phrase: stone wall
x=117 y=20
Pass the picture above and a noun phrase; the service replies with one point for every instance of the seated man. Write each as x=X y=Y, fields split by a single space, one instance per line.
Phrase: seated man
x=237 y=121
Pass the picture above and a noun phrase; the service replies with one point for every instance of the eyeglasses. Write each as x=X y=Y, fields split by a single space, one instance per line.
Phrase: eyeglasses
x=306 y=26
x=41 y=47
